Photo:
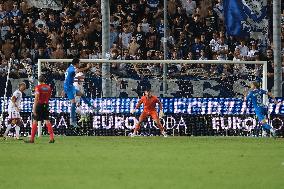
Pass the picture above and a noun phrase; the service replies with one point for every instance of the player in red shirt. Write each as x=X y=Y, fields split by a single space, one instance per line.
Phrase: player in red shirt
x=149 y=101
x=40 y=108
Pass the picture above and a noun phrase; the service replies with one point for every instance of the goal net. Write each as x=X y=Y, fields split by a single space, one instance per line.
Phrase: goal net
x=180 y=79
x=198 y=96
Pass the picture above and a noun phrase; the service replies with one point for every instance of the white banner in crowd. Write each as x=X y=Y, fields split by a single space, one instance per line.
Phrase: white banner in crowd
x=45 y=4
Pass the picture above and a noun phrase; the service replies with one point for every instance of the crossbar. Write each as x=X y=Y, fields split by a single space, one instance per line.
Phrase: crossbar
x=158 y=61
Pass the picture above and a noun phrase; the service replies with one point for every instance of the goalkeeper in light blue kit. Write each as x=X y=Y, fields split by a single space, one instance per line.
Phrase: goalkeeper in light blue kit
x=256 y=96
x=71 y=91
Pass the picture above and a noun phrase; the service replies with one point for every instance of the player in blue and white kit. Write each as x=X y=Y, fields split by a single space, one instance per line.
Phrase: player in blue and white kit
x=79 y=82
x=256 y=96
x=71 y=91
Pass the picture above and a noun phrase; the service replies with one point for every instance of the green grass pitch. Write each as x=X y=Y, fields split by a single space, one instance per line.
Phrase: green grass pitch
x=143 y=162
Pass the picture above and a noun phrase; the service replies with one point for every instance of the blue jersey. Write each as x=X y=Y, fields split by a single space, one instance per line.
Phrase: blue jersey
x=69 y=76
x=256 y=96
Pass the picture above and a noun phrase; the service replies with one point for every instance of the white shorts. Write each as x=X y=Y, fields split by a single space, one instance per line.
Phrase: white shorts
x=77 y=100
x=79 y=87
x=14 y=114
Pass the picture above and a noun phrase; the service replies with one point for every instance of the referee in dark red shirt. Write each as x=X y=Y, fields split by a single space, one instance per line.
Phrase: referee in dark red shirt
x=40 y=108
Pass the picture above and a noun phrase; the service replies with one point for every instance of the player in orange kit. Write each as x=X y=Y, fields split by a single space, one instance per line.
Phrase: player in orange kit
x=149 y=101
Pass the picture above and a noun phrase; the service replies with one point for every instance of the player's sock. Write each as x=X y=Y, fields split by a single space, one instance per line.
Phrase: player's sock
x=273 y=132
x=7 y=130
x=134 y=133
x=161 y=127
x=17 y=129
x=50 y=131
x=34 y=129
x=136 y=129
x=164 y=134
x=73 y=113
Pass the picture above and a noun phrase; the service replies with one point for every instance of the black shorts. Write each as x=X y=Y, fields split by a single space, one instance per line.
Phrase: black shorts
x=42 y=112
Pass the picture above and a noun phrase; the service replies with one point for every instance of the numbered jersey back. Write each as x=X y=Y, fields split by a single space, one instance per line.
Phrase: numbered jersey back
x=256 y=96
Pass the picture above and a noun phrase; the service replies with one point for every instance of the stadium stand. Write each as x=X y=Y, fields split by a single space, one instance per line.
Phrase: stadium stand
x=196 y=32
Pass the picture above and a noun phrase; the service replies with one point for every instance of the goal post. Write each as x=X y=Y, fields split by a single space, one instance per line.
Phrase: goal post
x=261 y=64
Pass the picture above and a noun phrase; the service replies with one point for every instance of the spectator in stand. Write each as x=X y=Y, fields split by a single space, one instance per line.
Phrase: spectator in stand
x=41 y=21
x=140 y=36
x=196 y=48
x=189 y=56
x=41 y=54
x=156 y=55
x=219 y=9
x=172 y=8
x=52 y=24
x=151 y=39
x=222 y=49
x=134 y=12
x=203 y=55
x=125 y=37
x=27 y=37
x=30 y=23
x=239 y=69
x=270 y=68
x=133 y=46
x=253 y=52
x=3 y=13
x=183 y=44
x=5 y=28
x=153 y=4
x=197 y=27
x=145 y=25
x=243 y=49
x=237 y=55
x=13 y=38
x=160 y=29
x=113 y=35
x=15 y=12
x=40 y=36
x=119 y=13
x=15 y=22
x=214 y=42
x=189 y=6
x=126 y=55
x=58 y=53
x=177 y=27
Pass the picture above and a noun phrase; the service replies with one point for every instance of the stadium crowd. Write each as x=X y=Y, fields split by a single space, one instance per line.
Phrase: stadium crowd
x=196 y=31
